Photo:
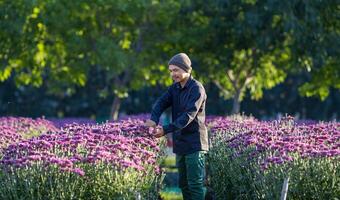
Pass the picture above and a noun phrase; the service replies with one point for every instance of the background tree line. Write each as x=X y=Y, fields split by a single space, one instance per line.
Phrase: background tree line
x=101 y=57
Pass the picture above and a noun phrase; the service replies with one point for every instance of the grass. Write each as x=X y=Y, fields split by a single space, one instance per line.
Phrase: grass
x=169 y=161
x=171 y=194
x=169 y=164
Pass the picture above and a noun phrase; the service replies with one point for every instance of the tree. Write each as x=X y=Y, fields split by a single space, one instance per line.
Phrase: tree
x=251 y=45
x=316 y=31
x=57 y=43
x=241 y=46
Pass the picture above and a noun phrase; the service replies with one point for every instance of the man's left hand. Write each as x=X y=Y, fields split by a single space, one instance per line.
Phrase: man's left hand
x=159 y=132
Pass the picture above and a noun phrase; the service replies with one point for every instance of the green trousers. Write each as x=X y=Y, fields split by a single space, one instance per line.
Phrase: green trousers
x=191 y=170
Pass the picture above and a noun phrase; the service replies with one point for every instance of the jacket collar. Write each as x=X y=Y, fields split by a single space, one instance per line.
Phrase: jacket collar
x=187 y=84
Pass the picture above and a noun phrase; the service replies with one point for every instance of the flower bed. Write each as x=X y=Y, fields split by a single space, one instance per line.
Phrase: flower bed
x=105 y=161
x=250 y=159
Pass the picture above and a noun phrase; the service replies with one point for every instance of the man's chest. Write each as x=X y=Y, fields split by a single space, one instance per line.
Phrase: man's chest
x=181 y=99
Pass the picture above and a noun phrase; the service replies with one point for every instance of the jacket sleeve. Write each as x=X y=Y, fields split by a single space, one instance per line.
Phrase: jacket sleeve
x=196 y=97
x=162 y=103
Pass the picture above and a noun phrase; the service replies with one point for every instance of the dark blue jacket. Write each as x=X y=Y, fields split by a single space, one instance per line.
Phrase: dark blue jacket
x=188 y=116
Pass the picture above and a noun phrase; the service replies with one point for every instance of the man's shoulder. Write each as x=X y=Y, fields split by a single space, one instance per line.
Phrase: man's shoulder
x=198 y=84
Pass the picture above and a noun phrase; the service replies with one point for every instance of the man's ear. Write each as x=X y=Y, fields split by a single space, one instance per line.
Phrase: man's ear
x=189 y=71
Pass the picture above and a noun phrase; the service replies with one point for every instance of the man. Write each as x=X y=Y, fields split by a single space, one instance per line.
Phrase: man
x=187 y=99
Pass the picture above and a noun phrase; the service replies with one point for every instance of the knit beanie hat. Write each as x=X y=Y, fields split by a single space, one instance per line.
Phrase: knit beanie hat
x=182 y=61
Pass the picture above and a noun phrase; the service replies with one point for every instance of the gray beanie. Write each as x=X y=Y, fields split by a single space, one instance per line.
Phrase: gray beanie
x=182 y=61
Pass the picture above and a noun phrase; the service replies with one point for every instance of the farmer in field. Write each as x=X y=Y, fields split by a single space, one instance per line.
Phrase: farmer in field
x=187 y=99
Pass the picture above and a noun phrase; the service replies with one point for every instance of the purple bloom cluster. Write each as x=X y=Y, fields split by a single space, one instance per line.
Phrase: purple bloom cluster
x=26 y=125
x=14 y=129
x=277 y=142
x=59 y=123
x=122 y=145
x=236 y=124
x=142 y=116
x=8 y=135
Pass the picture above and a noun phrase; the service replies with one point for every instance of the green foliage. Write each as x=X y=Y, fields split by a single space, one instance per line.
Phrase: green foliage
x=58 y=42
x=252 y=45
x=315 y=36
x=171 y=195
x=324 y=79
x=102 y=182
x=240 y=179
x=242 y=46
x=238 y=48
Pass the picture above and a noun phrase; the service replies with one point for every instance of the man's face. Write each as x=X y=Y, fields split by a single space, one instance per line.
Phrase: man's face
x=177 y=74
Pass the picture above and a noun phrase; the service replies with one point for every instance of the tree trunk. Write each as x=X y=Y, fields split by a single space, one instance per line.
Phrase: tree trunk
x=236 y=102
x=115 y=107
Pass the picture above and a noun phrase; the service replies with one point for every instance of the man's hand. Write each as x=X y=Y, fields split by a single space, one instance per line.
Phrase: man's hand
x=150 y=123
x=159 y=132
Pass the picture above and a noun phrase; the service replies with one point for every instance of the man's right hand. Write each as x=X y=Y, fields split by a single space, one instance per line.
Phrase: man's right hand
x=150 y=123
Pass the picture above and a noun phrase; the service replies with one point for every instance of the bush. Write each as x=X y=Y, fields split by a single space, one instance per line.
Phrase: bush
x=250 y=159
x=108 y=161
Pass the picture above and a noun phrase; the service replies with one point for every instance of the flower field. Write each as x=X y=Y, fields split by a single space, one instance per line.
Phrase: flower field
x=248 y=159
x=16 y=129
x=116 y=160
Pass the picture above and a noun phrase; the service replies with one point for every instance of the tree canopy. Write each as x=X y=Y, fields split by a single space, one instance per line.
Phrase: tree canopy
x=243 y=47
